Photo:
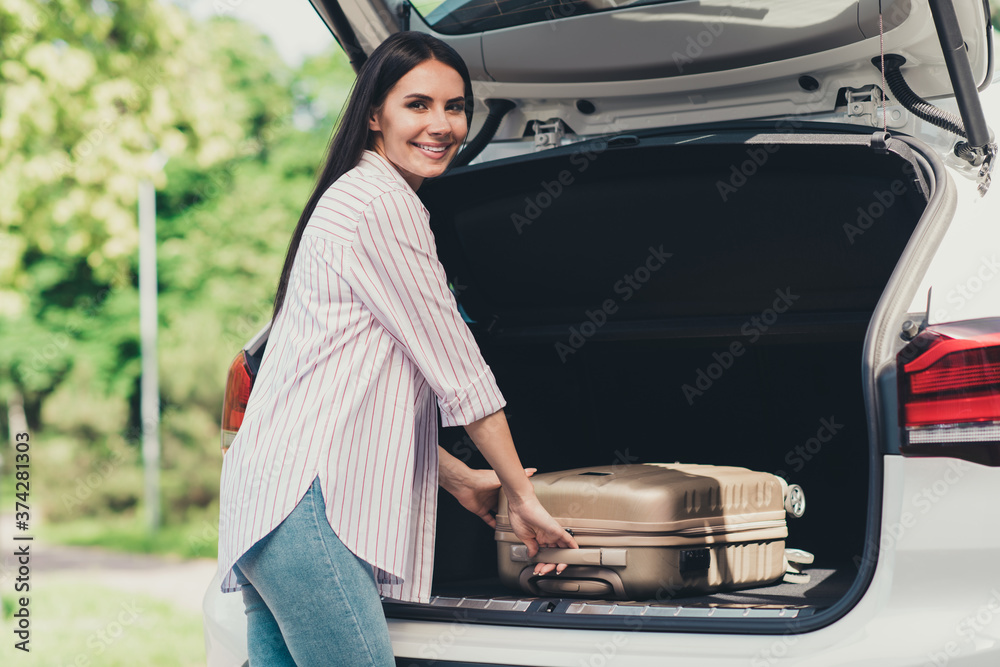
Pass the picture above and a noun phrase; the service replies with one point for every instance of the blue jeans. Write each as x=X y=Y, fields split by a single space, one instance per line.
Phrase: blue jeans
x=309 y=600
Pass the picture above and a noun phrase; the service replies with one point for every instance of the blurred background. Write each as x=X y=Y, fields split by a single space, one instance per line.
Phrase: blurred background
x=225 y=107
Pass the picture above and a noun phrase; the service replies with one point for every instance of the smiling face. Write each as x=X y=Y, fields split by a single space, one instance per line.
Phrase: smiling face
x=422 y=122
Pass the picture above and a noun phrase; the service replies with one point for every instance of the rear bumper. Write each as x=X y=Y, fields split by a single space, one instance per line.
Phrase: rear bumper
x=934 y=600
x=225 y=627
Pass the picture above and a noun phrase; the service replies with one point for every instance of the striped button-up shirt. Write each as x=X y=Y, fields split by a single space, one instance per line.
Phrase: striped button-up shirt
x=368 y=332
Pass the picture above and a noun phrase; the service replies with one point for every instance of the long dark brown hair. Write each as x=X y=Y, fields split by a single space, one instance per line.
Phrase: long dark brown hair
x=388 y=63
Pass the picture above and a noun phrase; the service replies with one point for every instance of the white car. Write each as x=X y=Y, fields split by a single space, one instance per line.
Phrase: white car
x=722 y=232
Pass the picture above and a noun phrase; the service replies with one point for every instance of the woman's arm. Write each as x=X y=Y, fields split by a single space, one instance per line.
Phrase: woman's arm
x=476 y=490
x=492 y=437
x=529 y=520
x=393 y=268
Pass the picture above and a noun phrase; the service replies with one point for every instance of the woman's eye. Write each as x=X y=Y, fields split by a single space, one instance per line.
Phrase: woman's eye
x=460 y=108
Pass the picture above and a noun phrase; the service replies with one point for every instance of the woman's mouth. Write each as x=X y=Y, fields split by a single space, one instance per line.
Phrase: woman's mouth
x=433 y=151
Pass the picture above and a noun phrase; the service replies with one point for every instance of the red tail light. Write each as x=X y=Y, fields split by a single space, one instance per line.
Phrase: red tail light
x=949 y=392
x=234 y=405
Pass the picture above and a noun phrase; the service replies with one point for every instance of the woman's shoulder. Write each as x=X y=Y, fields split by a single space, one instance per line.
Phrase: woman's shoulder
x=361 y=187
x=364 y=188
x=357 y=195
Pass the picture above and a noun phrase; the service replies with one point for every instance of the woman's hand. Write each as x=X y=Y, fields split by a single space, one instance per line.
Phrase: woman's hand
x=536 y=528
x=531 y=523
x=478 y=491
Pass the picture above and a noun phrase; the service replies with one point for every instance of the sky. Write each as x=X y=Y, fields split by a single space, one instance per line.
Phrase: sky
x=293 y=25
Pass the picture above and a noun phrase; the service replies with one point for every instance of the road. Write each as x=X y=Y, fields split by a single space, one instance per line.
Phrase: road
x=179 y=582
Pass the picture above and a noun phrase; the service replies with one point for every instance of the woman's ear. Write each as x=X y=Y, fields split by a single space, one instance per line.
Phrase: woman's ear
x=373 y=123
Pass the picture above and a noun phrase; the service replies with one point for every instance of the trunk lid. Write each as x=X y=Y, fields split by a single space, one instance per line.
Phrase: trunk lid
x=607 y=67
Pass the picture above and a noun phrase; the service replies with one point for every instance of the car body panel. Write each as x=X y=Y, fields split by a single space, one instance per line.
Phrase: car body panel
x=920 y=605
x=543 y=67
x=225 y=625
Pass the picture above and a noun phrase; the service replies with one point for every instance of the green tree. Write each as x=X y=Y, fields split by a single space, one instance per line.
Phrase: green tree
x=87 y=95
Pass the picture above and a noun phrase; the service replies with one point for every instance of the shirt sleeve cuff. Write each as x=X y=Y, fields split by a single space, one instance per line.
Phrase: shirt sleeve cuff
x=479 y=399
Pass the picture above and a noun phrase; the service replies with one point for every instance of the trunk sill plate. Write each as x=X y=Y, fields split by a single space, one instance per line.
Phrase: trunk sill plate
x=601 y=608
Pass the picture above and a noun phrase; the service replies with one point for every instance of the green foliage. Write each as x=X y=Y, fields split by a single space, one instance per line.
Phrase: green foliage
x=195 y=538
x=87 y=98
x=88 y=95
x=76 y=622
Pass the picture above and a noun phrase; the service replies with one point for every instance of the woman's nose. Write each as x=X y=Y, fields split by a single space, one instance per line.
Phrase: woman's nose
x=439 y=123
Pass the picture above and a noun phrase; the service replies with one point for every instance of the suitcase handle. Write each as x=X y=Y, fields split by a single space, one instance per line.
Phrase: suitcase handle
x=607 y=557
x=581 y=581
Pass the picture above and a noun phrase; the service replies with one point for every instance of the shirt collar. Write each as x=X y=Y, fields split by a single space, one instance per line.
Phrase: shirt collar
x=372 y=164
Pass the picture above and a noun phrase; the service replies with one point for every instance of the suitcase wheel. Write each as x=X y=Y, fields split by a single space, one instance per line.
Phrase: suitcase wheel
x=795 y=578
x=795 y=501
x=799 y=557
x=794 y=560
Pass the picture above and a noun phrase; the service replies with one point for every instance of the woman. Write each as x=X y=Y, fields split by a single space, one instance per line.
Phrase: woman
x=328 y=493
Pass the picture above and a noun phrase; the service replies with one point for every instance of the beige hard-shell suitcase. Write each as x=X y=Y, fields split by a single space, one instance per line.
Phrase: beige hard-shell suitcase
x=655 y=530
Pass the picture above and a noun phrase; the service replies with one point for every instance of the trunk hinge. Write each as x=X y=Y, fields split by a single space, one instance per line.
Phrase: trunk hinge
x=986 y=169
x=866 y=101
x=548 y=135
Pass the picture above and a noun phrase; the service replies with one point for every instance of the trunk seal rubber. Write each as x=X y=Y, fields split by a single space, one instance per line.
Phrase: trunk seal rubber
x=895 y=299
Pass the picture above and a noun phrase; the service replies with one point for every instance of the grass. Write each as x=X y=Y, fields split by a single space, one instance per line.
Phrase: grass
x=87 y=625
x=197 y=539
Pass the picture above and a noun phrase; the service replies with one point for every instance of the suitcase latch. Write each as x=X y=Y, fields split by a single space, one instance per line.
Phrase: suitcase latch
x=695 y=560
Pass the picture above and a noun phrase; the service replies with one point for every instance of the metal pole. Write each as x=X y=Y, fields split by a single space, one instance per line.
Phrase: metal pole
x=150 y=405
x=956 y=58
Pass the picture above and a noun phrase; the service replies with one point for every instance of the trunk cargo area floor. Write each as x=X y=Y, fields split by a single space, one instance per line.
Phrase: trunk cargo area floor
x=824 y=588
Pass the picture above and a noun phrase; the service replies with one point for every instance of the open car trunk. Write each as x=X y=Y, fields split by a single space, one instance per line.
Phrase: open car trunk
x=742 y=347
